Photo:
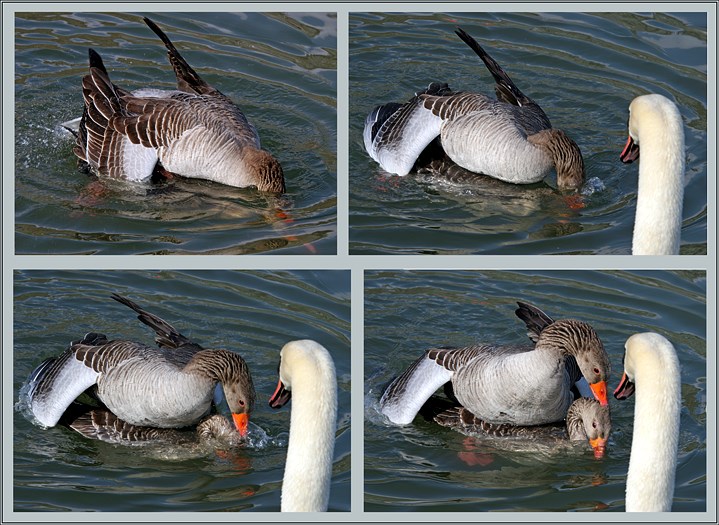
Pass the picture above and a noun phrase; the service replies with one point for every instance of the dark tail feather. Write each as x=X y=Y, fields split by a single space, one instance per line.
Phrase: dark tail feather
x=98 y=83
x=96 y=61
x=166 y=334
x=187 y=79
x=506 y=90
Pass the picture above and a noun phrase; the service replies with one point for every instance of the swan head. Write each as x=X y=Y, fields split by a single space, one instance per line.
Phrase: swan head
x=302 y=362
x=580 y=340
x=566 y=155
x=645 y=354
x=588 y=419
x=648 y=115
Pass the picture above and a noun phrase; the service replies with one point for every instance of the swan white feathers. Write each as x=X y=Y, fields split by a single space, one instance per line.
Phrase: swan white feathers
x=652 y=374
x=655 y=126
x=307 y=374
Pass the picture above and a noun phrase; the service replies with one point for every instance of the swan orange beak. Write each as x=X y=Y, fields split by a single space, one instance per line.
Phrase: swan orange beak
x=281 y=396
x=599 y=389
x=630 y=153
x=241 y=423
x=625 y=388
x=599 y=445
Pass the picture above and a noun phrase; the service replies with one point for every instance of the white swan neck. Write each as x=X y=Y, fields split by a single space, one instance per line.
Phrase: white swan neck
x=660 y=194
x=308 y=469
x=652 y=467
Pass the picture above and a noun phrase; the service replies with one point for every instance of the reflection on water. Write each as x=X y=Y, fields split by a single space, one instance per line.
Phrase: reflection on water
x=583 y=69
x=426 y=466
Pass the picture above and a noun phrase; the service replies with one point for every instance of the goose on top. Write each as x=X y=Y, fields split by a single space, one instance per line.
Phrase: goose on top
x=508 y=383
x=510 y=138
x=167 y=387
x=194 y=132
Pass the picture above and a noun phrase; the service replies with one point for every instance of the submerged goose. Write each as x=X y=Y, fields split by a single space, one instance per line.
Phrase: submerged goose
x=194 y=132
x=510 y=138
x=517 y=385
x=167 y=387
x=307 y=375
x=587 y=419
x=655 y=125
x=103 y=425
x=651 y=368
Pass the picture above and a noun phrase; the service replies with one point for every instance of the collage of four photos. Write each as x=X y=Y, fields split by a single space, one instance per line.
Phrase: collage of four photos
x=366 y=261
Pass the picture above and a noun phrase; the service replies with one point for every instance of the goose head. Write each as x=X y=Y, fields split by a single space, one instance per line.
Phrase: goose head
x=216 y=427
x=566 y=155
x=588 y=419
x=581 y=340
x=264 y=170
x=232 y=372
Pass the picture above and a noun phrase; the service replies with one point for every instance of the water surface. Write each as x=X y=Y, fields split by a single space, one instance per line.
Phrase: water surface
x=425 y=467
x=279 y=68
x=252 y=313
x=584 y=70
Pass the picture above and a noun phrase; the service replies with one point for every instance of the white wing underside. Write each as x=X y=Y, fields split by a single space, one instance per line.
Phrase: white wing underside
x=407 y=393
x=401 y=140
x=71 y=381
x=138 y=161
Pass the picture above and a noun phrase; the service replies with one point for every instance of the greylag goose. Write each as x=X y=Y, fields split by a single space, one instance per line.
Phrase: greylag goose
x=513 y=384
x=510 y=138
x=103 y=425
x=587 y=419
x=651 y=369
x=194 y=132
x=167 y=387
x=655 y=125
x=307 y=375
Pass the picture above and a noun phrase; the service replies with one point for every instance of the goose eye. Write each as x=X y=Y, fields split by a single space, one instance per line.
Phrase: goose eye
x=242 y=403
x=594 y=424
x=596 y=370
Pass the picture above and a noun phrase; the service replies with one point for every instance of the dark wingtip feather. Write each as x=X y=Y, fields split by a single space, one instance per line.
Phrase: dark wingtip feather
x=535 y=319
x=96 y=60
x=167 y=335
x=159 y=32
x=506 y=90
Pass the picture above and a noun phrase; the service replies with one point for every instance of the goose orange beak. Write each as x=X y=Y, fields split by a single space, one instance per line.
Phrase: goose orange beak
x=241 y=423
x=599 y=389
x=599 y=445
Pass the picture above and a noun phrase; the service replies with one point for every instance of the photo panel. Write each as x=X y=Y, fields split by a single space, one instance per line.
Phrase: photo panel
x=441 y=164
x=216 y=318
x=426 y=331
x=233 y=153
